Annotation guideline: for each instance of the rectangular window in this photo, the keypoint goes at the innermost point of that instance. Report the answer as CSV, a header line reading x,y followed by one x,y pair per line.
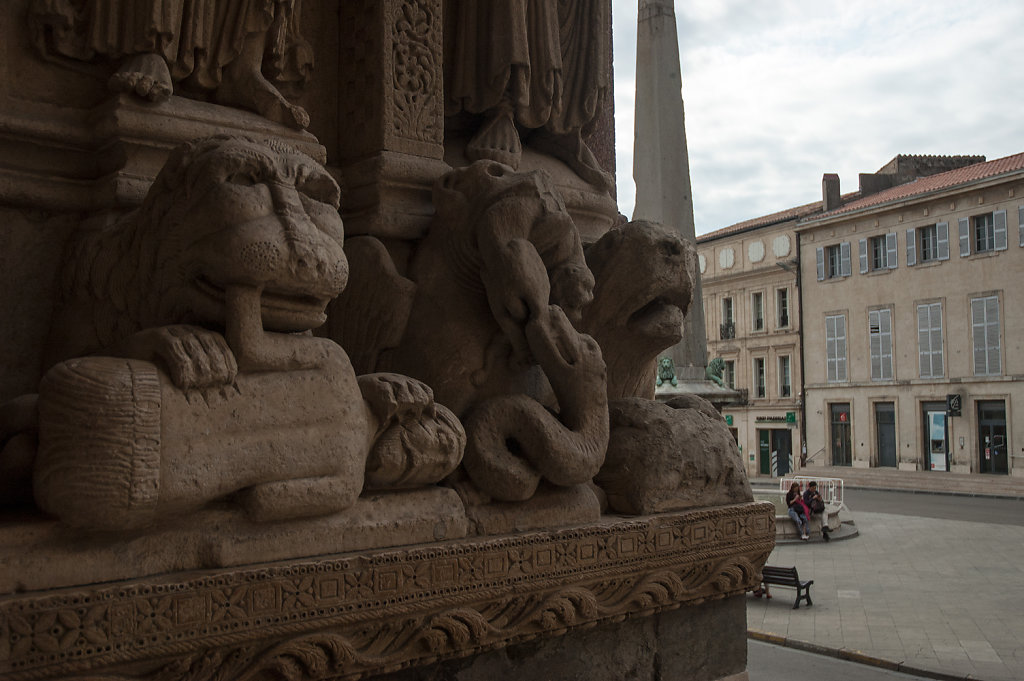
x,y
877,253
833,261
929,243
782,307
984,233
785,377
729,373
728,328
757,311
835,348
834,264
929,340
985,328
880,341
760,387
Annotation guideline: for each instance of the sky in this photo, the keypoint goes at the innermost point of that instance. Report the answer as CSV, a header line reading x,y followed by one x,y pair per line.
x,y
778,92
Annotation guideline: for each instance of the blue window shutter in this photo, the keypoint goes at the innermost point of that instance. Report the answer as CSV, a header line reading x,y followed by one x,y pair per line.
x,y
911,247
965,237
999,218
863,245
891,246
844,259
821,263
942,240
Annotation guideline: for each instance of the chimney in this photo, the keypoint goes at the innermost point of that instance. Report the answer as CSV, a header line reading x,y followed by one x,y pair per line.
x,y
829,191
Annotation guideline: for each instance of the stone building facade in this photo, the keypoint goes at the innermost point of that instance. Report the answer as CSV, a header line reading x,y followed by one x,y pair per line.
x,y
870,374
749,272
912,324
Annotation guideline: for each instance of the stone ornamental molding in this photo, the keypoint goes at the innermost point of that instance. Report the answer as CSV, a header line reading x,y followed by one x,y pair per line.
x,y
354,615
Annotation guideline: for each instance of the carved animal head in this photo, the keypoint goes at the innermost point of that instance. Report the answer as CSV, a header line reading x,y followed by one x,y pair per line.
x,y
224,211
644,286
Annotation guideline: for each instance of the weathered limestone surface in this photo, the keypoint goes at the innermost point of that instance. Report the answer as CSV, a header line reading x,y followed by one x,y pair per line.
x,y
235,444
364,614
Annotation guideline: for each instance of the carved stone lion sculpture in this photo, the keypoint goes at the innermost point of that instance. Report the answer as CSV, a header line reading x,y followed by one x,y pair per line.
x,y
210,384
660,457
644,285
666,372
714,371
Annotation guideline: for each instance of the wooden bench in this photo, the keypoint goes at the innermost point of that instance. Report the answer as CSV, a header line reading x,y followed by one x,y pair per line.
x,y
783,576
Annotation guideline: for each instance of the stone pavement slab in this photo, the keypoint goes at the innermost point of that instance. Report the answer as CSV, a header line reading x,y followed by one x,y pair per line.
x,y
944,597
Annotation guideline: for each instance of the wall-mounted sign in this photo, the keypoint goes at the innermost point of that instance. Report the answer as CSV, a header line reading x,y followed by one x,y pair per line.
x,y
953,405
728,419
790,417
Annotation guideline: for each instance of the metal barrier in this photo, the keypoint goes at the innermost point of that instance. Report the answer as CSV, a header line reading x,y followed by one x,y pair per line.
x,y
831,489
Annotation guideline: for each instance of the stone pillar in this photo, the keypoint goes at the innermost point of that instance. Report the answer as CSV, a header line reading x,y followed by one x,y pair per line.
x,y
392,107
661,166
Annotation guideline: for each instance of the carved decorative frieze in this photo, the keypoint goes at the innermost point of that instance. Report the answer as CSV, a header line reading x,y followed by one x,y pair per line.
x,y
390,73
352,615
417,83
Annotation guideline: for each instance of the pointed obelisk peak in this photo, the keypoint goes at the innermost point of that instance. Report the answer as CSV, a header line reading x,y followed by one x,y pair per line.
x,y
661,166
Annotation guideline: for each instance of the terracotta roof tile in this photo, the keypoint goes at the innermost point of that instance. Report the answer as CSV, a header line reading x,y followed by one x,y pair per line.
x,y
925,185
763,221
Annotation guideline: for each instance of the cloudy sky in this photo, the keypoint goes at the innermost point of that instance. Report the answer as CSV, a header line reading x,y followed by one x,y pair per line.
x,y
777,92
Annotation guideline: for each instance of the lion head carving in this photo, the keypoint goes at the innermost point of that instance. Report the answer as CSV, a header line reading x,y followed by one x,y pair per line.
x,y
644,286
224,211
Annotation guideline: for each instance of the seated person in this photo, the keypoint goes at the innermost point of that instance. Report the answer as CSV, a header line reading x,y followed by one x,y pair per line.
x,y
814,502
798,510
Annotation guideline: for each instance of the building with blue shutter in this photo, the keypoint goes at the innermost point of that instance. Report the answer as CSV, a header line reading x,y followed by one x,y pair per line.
x,y
892,334
912,302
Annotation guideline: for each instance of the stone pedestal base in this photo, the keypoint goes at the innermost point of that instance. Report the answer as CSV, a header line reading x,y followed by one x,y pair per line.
x,y
43,554
655,595
107,157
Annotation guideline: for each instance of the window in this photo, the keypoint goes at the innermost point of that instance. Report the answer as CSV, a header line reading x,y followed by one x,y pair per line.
x,y
985,328
929,340
880,342
983,233
878,253
729,373
835,348
728,328
833,261
785,377
760,388
757,311
782,307
928,244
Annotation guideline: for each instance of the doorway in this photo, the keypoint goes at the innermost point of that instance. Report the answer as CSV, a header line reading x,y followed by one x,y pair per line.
x,y
885,427
775,449
842,447
936,436
992,447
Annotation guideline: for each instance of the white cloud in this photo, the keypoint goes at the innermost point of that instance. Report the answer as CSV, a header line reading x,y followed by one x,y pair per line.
x,y
778,93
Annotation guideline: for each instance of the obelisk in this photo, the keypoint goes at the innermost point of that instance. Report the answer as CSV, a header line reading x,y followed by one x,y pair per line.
x,y
661,166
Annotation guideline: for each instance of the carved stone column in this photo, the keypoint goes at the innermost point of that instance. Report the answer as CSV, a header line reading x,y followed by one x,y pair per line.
x,y
391,114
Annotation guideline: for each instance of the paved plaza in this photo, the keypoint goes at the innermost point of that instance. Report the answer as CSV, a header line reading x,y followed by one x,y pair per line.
x,y
936,596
